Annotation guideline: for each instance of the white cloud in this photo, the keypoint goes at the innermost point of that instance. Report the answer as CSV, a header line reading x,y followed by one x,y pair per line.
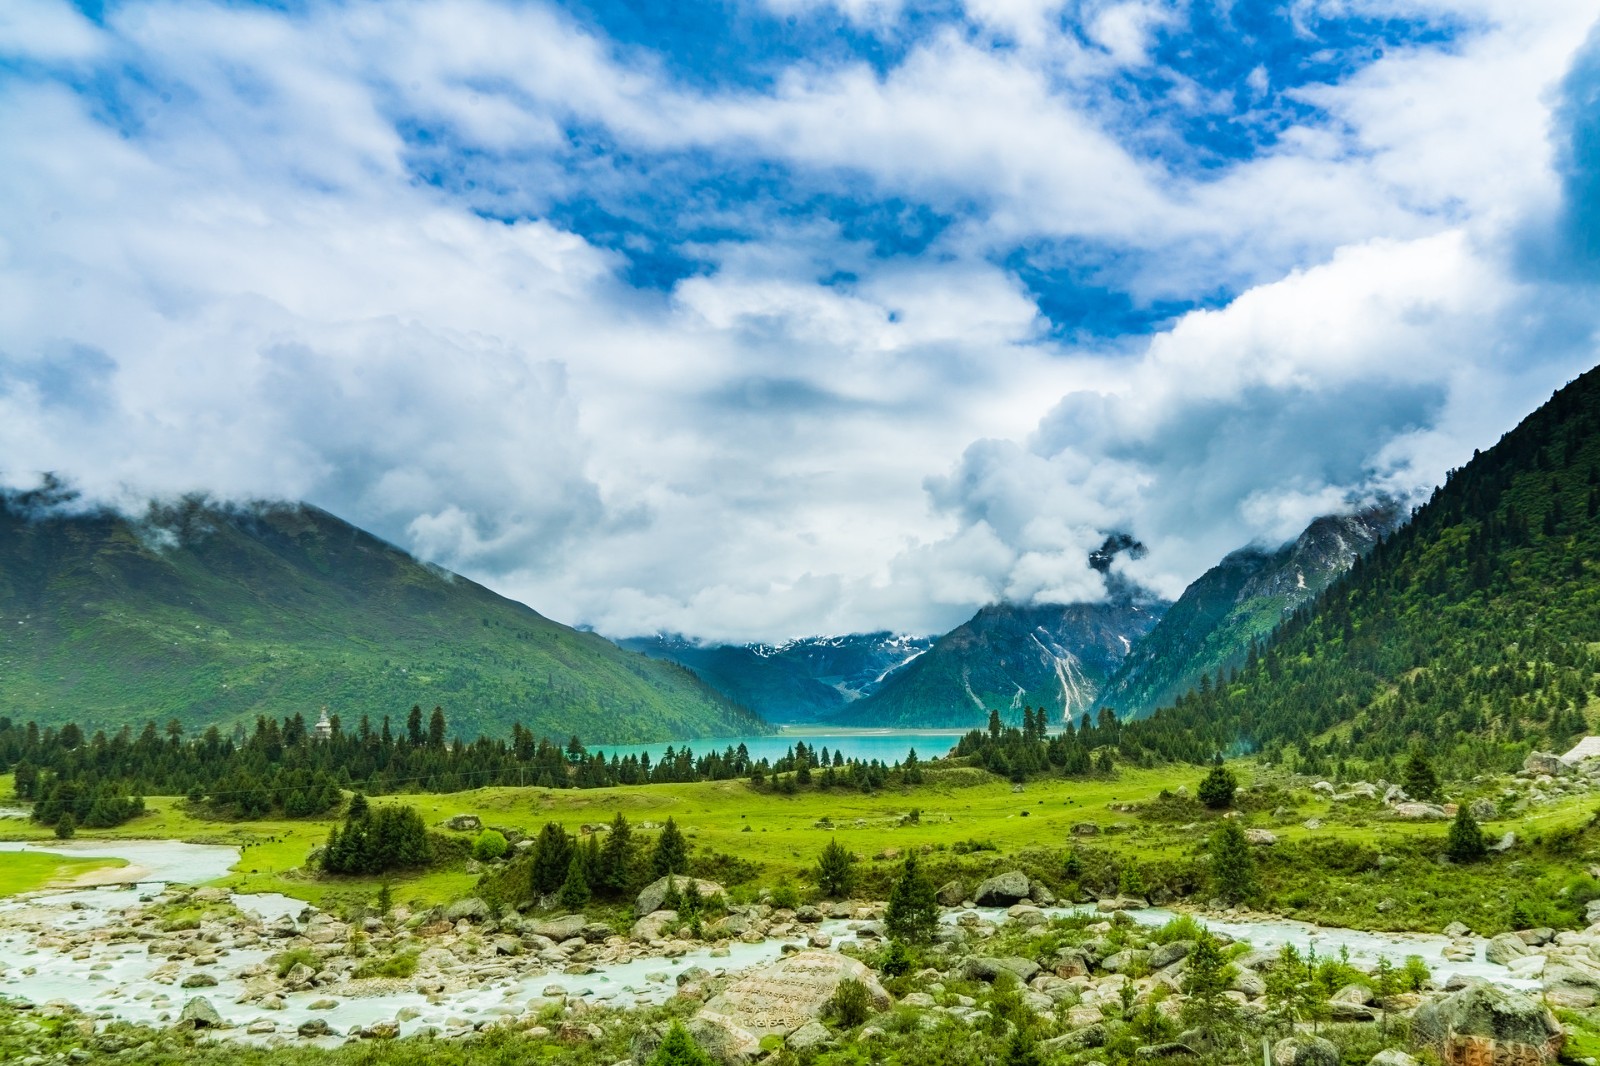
x,y
235,281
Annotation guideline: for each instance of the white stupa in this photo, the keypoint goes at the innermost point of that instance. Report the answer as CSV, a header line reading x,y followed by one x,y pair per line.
x,y
323,730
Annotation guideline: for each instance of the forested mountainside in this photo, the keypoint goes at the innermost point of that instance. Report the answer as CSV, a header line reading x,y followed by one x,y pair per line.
x,y
1007,658
212,615
1238,603
1472,631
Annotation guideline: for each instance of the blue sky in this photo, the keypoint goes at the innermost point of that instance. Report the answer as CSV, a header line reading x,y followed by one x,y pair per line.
x,y
764,318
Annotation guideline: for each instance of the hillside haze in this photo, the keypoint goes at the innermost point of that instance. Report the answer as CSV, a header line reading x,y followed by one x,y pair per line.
x,y
214,615
1238,602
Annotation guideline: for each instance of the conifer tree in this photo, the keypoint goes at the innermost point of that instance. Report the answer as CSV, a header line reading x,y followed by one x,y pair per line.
x,y
574,894
1205,982
836,871
913,909
1420,781
1233,867
1217,788
612,876
679,1049
671,855
1465,843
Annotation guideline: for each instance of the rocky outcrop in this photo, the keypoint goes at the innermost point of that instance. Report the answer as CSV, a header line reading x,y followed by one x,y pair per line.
x,y
1543,762
1484,1025
1304,1051
951,894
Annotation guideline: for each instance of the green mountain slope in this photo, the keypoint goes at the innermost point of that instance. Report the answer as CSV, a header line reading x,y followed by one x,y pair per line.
x,y
1240,601
1008,657
210,615
1473,631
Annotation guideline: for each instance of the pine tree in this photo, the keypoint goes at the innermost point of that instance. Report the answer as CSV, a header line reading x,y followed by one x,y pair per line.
x,y
552,854
1205,981
679,1049
1465,843
1233,867
671,855
612,877
1023,1049
1217,788
835,872
1420,781
913,910
574,894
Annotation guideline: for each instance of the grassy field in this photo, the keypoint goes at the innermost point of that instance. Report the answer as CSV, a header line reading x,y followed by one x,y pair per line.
x,y
1325,874
28,872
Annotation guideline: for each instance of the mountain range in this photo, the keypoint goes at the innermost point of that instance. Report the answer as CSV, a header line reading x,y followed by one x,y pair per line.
x,y
213,615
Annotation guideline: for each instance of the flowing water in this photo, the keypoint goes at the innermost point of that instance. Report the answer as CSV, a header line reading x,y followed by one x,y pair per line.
x,y
113,980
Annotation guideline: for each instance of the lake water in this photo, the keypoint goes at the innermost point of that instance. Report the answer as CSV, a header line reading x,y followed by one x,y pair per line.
x,y
886,745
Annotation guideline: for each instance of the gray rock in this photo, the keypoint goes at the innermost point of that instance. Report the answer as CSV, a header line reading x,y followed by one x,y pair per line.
x,y
1484,1023
315,1027
1505,947
1420,812
1260,836
1041,895
1126,961
988,969
1090,1036
1002,890
654,894
780,998
813,1034
1304,1051
1164,955
464,823
199,980
472,909
198,1013
1543,762
560,929
1482,809
951,894
1507,841
1456,930
1392,1057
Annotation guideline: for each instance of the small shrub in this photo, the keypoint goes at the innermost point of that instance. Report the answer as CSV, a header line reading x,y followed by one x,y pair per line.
x,y
785,896
285,961
401,965
490,845
850,1005
1183,927
1415,975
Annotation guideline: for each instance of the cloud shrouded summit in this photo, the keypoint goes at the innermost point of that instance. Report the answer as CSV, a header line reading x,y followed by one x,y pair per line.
x,y
763,319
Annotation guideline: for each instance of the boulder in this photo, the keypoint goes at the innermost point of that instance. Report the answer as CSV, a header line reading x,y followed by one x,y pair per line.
x,y
1419,811
1505,947
951,893
987,969
559,929
1042,895
1507,841
472,909
780,998
813,1034
315,1027
1260,836
199,980
1482,809
1125,961
1484,1024
1164,955
1121,903
1002,890
1304,1051
1392,1057
1543,762
198,1013
653,895
464,823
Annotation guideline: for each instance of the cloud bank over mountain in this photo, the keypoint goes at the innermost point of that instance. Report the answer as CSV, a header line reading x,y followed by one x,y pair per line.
x,y
771,318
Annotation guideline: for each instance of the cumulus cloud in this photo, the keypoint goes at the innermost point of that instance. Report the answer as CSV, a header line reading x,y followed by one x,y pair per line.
x,y
318,254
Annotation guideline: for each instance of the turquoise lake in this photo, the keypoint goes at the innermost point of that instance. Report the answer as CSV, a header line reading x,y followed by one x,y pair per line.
x,y
886,745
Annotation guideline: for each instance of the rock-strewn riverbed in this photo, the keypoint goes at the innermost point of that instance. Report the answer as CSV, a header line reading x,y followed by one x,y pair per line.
x,y
270,969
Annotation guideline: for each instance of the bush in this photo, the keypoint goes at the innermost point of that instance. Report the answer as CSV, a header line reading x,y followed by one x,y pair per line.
x,y
1415,975
490,845
1217,788
401,965
1183,927
679,1049
285,961
836,875
850,1004
785,896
